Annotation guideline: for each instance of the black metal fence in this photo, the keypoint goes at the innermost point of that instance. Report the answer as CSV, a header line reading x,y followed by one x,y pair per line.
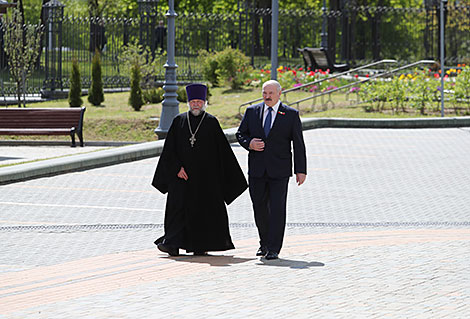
x,y
355,35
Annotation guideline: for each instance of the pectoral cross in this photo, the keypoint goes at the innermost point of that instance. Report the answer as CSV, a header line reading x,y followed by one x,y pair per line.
x,y
192,139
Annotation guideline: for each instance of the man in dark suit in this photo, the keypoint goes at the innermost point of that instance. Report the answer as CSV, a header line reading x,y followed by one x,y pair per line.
x,y
267,131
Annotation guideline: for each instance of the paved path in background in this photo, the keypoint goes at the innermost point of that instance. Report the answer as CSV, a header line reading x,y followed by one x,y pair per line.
x,y
380,228
21,154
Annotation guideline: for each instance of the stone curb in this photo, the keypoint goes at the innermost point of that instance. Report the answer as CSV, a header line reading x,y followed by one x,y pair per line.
x,y
448,122
21,172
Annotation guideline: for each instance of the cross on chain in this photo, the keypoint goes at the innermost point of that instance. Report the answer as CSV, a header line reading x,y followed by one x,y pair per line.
x,y
192,139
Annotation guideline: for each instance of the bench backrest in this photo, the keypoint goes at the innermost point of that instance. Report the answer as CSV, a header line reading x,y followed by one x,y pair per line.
x,y
321,58
309,62
41,118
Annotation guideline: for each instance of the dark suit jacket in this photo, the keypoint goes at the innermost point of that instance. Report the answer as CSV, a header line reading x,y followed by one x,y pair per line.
x,y
276,159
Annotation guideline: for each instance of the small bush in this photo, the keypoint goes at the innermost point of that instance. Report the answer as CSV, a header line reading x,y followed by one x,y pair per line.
x,y
135,98
182,96
225,67
209,67
95,94
75,92
154,95
134,53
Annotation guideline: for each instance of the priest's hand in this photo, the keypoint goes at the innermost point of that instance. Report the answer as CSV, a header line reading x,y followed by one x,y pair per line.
x,y
300,178
257,144
182,174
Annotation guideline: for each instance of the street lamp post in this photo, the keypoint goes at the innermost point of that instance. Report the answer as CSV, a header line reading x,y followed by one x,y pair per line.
x,y
274,37
442,54
324,32
170,105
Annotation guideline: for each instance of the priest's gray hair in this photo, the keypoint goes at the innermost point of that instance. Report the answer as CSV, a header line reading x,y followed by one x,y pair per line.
x,y
272,82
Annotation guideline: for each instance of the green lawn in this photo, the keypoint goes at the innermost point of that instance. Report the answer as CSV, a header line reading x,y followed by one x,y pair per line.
x,y
115,120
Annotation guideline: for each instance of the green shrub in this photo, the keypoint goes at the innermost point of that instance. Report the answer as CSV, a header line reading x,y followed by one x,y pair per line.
x,y
95,94
182,96
154,95
75,92
209,67
225,67
134,53
462,87
135,98
422,92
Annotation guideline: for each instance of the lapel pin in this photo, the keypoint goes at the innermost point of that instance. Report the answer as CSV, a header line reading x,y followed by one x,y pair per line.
x,y
282,113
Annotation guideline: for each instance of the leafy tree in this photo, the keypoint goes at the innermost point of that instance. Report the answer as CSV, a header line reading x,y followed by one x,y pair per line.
x,y
75,93
95,94
22,43
31,12
135,98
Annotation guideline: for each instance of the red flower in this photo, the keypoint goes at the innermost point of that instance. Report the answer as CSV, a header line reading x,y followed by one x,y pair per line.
x,y
300,69
367,75
356,76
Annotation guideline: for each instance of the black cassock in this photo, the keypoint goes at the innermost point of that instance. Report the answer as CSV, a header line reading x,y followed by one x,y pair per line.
x,y
195,214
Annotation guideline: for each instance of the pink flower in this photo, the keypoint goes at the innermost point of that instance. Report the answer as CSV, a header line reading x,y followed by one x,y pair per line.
x,y
313,88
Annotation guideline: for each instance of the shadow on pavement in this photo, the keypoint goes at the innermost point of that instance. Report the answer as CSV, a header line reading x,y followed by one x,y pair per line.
x,y
294,264
212,260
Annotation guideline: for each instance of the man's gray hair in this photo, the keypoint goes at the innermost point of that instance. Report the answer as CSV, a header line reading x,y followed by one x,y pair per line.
x,y
272,82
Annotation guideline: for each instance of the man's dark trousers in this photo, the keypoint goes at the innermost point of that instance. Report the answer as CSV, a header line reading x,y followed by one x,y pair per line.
x,y
269,170
269,204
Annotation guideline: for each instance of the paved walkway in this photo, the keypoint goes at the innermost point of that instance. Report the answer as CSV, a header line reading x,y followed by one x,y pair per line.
x,y
24,154
381,228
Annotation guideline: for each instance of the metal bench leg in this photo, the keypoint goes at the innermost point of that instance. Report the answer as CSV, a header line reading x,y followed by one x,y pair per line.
x,y
73,138
80,137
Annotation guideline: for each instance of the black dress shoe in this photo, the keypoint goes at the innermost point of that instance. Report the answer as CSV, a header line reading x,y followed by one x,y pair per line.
x,y
262,251
172,251
200,253
271,255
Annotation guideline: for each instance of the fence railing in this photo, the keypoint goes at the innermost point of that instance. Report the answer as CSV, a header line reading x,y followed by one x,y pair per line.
x,y
356,35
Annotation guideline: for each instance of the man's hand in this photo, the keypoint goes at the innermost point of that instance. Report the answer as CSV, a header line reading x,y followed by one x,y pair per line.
x,y
257,144
182,174
300,178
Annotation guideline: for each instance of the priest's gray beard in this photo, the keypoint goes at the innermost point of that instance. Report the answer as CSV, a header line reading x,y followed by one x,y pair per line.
x,y
197,112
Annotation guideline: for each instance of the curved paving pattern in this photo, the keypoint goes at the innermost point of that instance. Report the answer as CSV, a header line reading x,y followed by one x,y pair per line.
x,y
380,229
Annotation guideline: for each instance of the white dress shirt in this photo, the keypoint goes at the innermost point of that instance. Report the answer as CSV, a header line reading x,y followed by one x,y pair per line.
x,y
273,112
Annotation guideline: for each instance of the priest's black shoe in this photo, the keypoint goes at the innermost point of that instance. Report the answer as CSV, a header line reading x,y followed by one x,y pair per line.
x,y
172,251
262,251
271,255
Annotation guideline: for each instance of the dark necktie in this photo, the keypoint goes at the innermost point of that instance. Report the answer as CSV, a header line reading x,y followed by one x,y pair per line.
x,y
267,122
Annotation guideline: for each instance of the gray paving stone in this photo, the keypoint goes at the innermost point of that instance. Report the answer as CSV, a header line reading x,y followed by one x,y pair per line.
x,y
359,180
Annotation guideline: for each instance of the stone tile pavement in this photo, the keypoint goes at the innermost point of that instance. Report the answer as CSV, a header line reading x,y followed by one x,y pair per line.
x,y
381,228
22,154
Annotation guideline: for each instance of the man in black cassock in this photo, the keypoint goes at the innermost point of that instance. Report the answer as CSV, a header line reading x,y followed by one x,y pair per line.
x,y
200,173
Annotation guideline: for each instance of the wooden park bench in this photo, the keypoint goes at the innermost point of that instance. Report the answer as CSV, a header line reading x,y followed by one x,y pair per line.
x,y
42,121
318,59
